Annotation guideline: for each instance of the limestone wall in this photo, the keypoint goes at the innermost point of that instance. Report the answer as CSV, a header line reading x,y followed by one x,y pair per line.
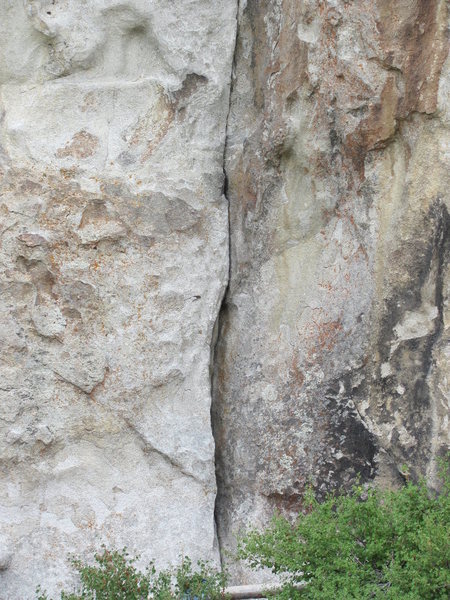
x,y
114,261
238,203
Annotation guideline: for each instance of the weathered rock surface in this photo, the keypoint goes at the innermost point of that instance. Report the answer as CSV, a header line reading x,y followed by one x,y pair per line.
x,y
333,354
114,261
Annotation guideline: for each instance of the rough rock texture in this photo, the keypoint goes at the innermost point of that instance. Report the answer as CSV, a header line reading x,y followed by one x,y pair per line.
x,y
333,356
114,261
116,238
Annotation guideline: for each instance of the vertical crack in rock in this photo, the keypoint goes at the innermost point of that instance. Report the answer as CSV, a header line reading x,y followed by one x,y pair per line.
x,y
217,330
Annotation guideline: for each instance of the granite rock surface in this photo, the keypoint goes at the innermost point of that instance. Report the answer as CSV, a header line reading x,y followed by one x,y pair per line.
x,y
333,352
114,261
239,203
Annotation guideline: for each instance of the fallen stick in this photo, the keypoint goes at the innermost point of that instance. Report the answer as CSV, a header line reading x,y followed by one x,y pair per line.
x,y
256,590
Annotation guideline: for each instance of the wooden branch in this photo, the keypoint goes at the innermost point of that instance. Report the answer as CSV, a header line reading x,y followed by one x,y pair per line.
x,y
257,590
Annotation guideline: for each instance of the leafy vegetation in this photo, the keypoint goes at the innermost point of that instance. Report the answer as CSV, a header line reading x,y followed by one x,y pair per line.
x,y
365,544
114,576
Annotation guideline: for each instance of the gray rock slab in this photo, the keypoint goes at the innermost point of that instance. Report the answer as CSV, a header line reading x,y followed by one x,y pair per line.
x,y
332,358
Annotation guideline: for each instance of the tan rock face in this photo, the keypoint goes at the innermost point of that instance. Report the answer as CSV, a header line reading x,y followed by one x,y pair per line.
x,y
114,261
333,350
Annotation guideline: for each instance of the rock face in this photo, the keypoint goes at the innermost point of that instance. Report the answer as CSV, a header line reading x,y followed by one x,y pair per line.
x,y
333,355
114,261
134,188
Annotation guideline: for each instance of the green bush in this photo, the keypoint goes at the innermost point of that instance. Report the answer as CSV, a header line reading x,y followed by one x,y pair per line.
x,y
114,576
365,544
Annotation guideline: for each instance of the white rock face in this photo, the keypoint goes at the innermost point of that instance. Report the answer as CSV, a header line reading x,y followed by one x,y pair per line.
x,y
113,257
